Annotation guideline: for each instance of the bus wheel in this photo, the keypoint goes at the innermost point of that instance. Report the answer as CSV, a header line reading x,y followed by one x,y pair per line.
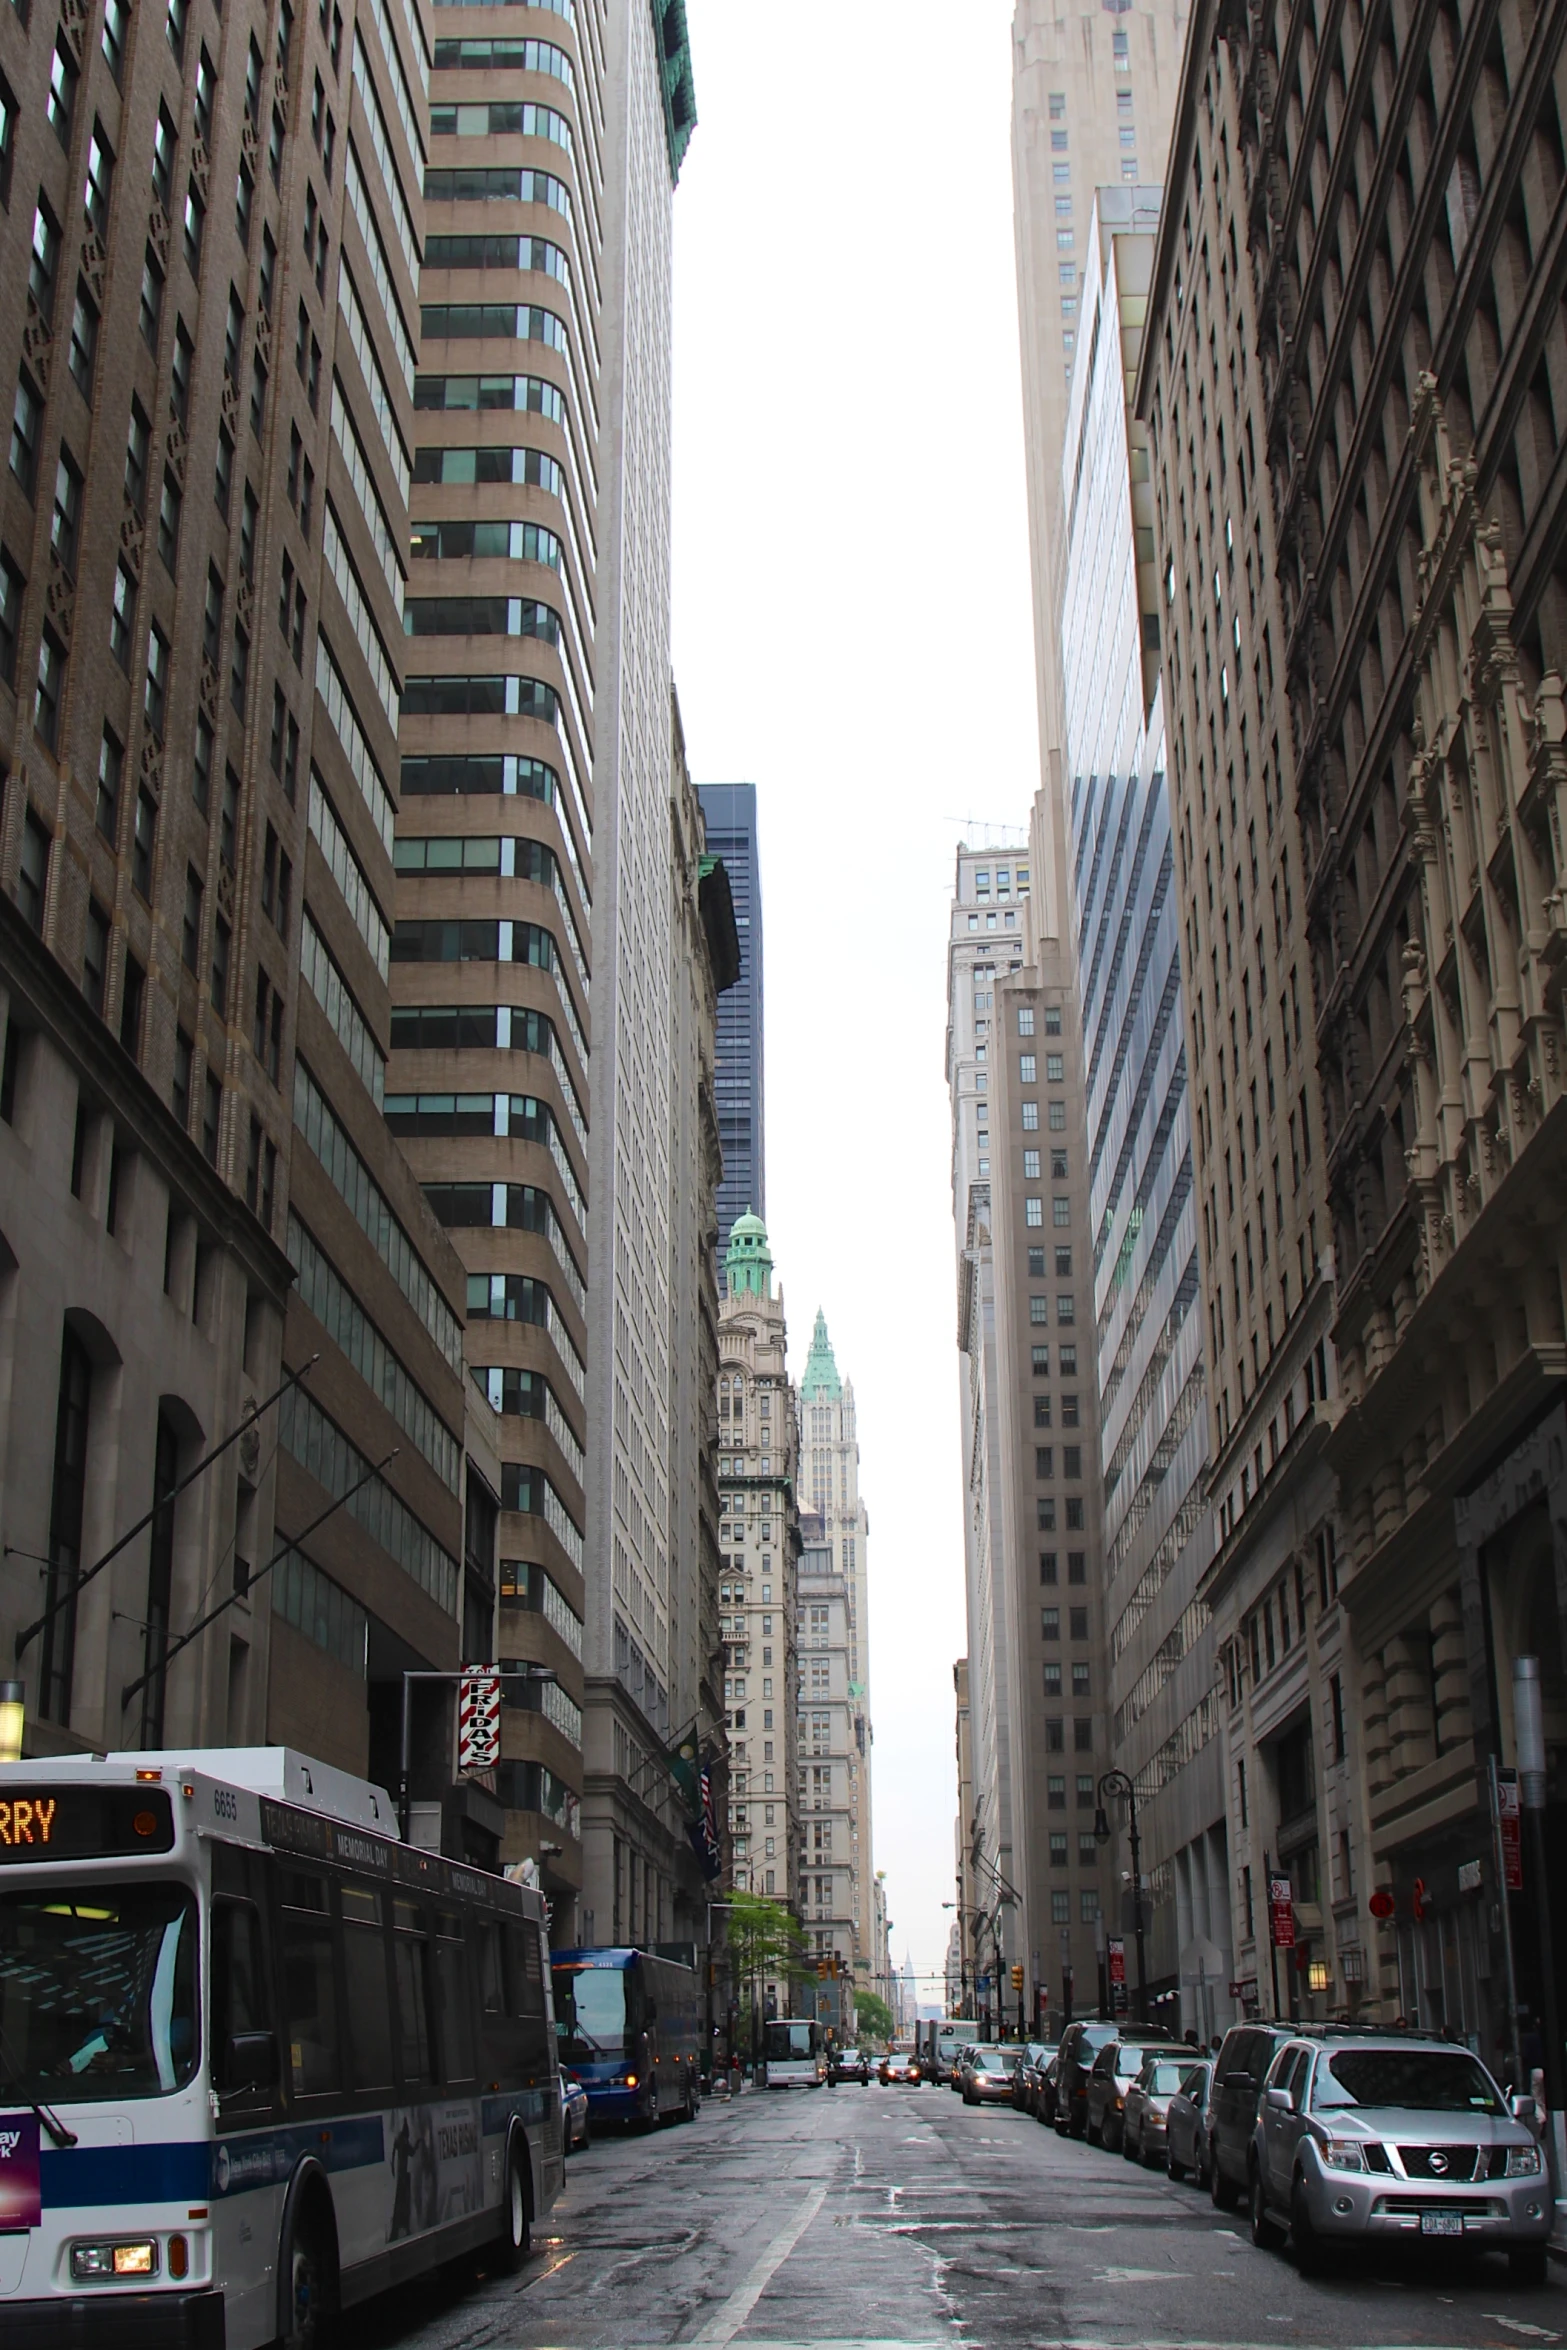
x,y
306,2274
516,2231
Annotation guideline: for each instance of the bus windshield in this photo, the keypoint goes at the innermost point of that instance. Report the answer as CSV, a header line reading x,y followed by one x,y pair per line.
x,y
790,2041
590,2010
97,1991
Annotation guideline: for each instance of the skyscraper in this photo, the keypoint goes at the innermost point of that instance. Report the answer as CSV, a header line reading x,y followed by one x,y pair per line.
x,y
214,226
1148,1326
730,810
833,1625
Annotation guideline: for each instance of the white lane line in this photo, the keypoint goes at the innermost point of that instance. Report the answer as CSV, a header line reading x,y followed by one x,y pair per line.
x,y
731,2315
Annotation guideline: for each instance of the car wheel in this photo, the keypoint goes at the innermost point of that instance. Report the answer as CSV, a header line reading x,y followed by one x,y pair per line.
x,y
1150,2157
1304,2237
1127,2148
1091,2133
1528,2265
1173,2168
1222,2195
1265,2232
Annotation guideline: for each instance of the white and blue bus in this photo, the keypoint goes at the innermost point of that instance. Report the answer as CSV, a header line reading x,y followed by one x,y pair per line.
x,y
630,2028
259,2059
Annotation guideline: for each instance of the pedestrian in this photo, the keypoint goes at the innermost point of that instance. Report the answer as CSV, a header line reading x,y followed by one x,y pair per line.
x,y
1192,2040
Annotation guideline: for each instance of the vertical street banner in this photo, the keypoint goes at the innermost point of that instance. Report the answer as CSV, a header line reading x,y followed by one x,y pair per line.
x,y
1509,1831
1281,1913
479,1718
1115,1968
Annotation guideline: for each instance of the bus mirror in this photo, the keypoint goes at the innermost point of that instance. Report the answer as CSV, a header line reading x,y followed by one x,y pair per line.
x,y
250,2061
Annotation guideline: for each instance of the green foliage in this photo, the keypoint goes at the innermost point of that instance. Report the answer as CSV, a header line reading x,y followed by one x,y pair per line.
x,y
763,1937
872,2017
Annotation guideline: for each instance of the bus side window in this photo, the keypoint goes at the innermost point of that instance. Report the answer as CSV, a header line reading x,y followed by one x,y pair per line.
x,y
239,1989
411,1972
454,1997
524,1970
310,1987
492,1993
369,1991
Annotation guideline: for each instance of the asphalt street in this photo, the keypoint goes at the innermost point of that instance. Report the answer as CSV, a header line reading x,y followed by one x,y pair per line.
x,y
876,2218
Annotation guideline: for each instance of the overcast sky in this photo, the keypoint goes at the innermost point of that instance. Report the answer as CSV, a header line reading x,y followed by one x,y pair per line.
x,y
853,634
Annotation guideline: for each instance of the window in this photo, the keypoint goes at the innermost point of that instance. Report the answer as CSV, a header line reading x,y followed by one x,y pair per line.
x,y
7,140
1050,1623
1063,1264
206,88
1025,1069
1057,1119
84,340
116,24
122,614
219,979
1077,1566
195,222
1083,1737
95,955
228,821
1041,1355
258,394
190,928
223,473
32,880
212,617
233,337
174,27
1066,1309
137,436
12,589
157,679
151,314
1053,1068
201,762
142,846
1031,1117
179,1091
1045,1514
1074,1515
244,205
1041,1411
1033,1212
100,179
26,425
61,102
1055,1791
1025,1020
51,688
1044,1460
66,520
1039,1308
1058,105
180,372
164,142
1052,1677
1052,1011
249,521
133,990
1031,1166
169,523
1080,1680
211,1116
111,770
239,671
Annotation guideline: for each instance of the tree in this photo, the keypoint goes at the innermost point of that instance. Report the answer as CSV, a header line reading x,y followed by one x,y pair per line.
x,y
763,1941
872,2017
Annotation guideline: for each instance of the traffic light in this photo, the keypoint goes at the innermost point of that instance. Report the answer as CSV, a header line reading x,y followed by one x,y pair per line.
x,y
821,1970
1017,1978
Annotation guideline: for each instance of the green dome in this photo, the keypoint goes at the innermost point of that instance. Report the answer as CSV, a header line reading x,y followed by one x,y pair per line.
x,y
821,1371
748,1263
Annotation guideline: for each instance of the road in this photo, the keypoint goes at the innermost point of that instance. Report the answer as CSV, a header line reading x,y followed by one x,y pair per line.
x,y
871,2219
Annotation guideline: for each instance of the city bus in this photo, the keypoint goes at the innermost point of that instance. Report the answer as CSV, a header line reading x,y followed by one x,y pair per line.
x,y
794,2054
629,2025
259,2059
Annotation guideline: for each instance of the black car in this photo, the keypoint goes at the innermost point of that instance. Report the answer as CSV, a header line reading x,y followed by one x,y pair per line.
x,y
849,2064
1080,2044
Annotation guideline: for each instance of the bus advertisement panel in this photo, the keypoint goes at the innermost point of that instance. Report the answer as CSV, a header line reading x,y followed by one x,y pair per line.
x,y
258,2058
629,2025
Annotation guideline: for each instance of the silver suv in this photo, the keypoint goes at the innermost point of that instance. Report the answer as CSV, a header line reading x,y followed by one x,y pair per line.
x,y
1364,2138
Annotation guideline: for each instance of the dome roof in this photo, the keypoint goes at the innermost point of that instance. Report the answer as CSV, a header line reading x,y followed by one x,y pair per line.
x,y
748,1261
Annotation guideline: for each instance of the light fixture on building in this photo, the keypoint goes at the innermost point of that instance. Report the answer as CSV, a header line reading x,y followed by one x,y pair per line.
x,y
13,1718
1317,1975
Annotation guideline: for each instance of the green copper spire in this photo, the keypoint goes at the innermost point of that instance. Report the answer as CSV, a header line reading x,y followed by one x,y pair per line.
x,y
748,1265
821,1372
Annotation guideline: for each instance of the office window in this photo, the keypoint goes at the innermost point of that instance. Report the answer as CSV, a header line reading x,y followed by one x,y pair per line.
x,y
1025,1020
1050,1623
1085,1791
1058,1848
1045,1514
1052,1677
1041,1360
1087,1849
1036,1264
1055,1791
138,434
1052,1019
1083,1737
157,679
1041,1411
1088,1904
1054,1068
1077,1566
1079,1623
1061,1210
151,311
51,688
1061,1907
1058,1117
1063,1264
190,928
1031,1166
1069,1362
111,771
1058,105
26,424
1072,1460
1055,1735
12,589
1025,1068
1066,1311
142,845
116,24
1080,1680
1044,1460
1058,142
219,980
1031,1117
1074,1515
32,880
1047,1566
1033,1212
164,143
211,1117
122,614
169,504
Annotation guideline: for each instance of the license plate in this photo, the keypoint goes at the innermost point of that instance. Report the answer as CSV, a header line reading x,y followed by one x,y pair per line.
x,y
1441,2223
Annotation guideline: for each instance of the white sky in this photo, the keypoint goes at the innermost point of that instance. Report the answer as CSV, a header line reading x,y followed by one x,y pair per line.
x,y
853,634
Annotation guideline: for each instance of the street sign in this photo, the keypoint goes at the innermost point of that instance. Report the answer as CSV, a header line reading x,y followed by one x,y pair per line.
x,y
1382,1904
1244,1987
479,1718
1281,1913
1512,1849
1116,1947
982,1982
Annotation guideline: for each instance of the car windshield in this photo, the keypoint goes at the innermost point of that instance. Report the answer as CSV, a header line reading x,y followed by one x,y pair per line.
x,y
998,2060
1162,2080
97,1991
590,2010
1129,2057
1415,2080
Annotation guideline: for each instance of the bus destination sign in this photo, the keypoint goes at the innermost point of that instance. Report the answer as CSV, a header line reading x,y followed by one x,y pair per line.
x,y
76,1822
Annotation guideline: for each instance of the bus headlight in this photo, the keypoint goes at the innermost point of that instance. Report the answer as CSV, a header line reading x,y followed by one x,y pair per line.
x,y
631,2080
115,2260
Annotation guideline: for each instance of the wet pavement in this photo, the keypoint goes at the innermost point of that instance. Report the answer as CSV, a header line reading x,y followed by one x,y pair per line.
x,y
874,2219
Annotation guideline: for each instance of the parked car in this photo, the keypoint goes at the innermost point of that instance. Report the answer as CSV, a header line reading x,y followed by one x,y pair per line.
x,y
1365,2139
960,2068
1239,2070
1033,2053
1080,2044
574,2112
1047,2091
849,2064
1112,2073
1186,2125
990,2073
1144,2116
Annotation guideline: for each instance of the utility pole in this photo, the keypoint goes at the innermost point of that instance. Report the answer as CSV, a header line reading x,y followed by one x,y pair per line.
x,y
1117,1783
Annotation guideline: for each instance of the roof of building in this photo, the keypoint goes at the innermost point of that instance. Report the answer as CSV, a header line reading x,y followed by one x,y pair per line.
x,y
821,1371
748,1261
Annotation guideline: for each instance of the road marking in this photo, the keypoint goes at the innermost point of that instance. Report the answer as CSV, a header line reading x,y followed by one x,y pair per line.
x,y
1138,2276
731,2315
1517,2325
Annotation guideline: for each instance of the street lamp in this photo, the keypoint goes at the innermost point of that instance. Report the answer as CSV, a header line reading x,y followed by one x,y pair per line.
x,y
1116,1784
